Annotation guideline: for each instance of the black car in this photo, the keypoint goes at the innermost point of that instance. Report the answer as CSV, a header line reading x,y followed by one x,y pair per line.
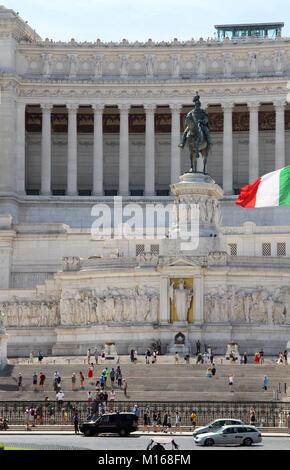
x,y
120,423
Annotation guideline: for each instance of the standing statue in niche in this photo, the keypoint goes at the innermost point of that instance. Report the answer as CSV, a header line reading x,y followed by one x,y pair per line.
x,y
181,298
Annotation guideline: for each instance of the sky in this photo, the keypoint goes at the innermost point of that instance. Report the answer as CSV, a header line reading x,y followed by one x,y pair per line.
x,y
139,20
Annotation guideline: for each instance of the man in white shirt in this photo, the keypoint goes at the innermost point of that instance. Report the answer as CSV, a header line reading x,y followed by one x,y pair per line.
x,y
59,397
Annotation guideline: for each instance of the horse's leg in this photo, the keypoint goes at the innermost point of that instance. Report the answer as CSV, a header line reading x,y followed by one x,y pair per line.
x,y
204,160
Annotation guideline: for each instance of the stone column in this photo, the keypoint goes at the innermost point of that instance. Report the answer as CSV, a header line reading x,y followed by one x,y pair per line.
x,y
254,141
175,139
72,189
228,148
149,150
45,186
198,316
98,164
280,134
124,150
164,315
20,148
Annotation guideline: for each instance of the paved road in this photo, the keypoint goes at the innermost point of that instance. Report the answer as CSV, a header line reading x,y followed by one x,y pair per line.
x,y
79,442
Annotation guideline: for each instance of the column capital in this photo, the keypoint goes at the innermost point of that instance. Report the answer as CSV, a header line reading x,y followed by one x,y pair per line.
x,y
279,104
98,107
175,107
46,107
253,105
72,107
227,105
149,107
124,108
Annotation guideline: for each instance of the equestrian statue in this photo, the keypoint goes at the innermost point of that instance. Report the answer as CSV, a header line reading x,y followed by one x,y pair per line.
x,y
197,135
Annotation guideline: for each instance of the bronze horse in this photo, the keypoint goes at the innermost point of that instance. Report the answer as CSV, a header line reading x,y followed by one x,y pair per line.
x,y
197,142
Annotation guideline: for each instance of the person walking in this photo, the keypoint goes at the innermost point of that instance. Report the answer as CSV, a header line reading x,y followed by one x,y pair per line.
x,y
41,381
59,398
34,381
40,357
125,387
31,357
120,380
245,358
91,373
113,395
193,419
213,369
145,422
73,381
178,421
285,354
76,423
176,357
90,397
82,379
96,354
165,422
19,384
26,419
112,377
252,416
231,382
261,354
89,356
265,383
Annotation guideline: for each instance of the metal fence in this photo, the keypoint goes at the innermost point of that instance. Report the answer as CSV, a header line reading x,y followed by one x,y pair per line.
x,y
268,414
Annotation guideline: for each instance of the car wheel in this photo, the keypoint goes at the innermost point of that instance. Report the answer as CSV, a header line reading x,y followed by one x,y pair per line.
x,y
87,432
248,441
209,442
123,433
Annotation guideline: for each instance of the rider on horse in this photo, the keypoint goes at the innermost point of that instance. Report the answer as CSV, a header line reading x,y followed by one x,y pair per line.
x,y
202,120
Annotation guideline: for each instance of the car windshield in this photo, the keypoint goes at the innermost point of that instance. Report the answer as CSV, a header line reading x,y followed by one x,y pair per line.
x,y
216,424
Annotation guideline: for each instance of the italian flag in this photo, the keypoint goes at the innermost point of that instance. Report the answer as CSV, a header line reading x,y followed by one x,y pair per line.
x,y
272,189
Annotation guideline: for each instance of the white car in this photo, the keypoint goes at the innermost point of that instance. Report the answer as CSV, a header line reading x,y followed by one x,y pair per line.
x,y
239,435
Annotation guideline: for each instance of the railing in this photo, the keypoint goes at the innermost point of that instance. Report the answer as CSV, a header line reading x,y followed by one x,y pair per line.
x,y
268,414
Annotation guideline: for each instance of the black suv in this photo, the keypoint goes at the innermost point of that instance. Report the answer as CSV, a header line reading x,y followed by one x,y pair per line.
x,y
120,423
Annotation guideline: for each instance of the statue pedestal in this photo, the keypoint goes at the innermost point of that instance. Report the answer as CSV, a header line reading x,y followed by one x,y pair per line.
x,y
233,348
110,351
3,349
196,217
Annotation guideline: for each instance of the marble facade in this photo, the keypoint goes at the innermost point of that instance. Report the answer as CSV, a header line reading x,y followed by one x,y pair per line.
x,y
81,123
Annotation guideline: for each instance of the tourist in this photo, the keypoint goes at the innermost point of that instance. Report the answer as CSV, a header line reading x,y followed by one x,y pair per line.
x,y
231,382
252,416
159,421
125,387
102,381
147,356
132,355
154,356
208,372
112,395
90,397
136,410
82,379
145,422
31,416
285,354
154,421
120,380
211,357
89,356
135,357
261,354
26,419
176,357
41,381
280,358
76,423
96,354
59,398
265,383
245,358
213,369
257,358
193,419
178,421
103,356
73,381
165,422
91,373
31,357
187,358
40,357
34,380
19,384
112,377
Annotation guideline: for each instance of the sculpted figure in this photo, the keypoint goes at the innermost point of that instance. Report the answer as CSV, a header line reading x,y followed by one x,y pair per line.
x,y
181,297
